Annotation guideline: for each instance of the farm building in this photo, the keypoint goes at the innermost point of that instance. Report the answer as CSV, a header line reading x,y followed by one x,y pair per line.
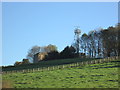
x,y
39,56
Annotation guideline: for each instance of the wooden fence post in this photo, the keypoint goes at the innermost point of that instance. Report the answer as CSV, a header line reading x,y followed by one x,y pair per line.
x,y
24,70
74,64
100,60
82,63
53,67
90,62
77,64
104,59
112,58
116,57
29,70
86,62
70,65
37,69
109,60
63,66
48,68
95,62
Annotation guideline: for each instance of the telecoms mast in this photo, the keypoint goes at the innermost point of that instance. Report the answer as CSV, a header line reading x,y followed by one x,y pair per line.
x,y
77,32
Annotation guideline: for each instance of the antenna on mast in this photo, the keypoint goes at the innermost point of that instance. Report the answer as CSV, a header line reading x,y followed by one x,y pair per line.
x,y
77,32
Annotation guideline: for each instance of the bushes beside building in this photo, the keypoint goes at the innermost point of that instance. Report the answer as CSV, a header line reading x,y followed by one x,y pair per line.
x,y
24,61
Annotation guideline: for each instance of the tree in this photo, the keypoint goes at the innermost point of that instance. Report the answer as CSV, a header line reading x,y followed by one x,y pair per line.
x,y
24,61
52,55
102,42
41,53
34,50
68,52
84,42
91,43
118,39
17,63
94,43
50,48
110,41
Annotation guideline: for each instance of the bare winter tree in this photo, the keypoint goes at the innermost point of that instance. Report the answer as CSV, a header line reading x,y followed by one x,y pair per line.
x,y
102,43
50,48
37,49
34,50
84,40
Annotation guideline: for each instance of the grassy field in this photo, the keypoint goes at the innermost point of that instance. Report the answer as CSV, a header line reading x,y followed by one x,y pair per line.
x,y
90,76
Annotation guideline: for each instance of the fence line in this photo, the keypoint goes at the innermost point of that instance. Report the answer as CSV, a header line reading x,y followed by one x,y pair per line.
x,y
63,66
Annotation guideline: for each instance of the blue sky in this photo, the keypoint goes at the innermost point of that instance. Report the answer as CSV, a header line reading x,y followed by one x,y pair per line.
x,y
27,24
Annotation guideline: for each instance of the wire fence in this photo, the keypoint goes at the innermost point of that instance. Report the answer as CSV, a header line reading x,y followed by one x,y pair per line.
x,y
50,68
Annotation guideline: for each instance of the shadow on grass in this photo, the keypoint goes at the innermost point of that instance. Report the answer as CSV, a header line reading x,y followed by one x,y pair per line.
x,y
108,67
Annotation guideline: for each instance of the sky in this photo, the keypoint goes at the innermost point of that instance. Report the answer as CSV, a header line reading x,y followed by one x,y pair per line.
x,y
25,24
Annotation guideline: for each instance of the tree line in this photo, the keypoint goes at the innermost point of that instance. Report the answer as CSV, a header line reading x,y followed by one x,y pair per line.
x,y
52,53
98,43
102,42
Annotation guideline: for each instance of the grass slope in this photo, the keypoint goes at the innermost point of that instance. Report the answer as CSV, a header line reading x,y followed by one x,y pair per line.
x,y
90,76
45,64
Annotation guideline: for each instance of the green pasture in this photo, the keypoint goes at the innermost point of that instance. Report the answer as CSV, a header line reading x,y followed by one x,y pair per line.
x,y
45,64
103,75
